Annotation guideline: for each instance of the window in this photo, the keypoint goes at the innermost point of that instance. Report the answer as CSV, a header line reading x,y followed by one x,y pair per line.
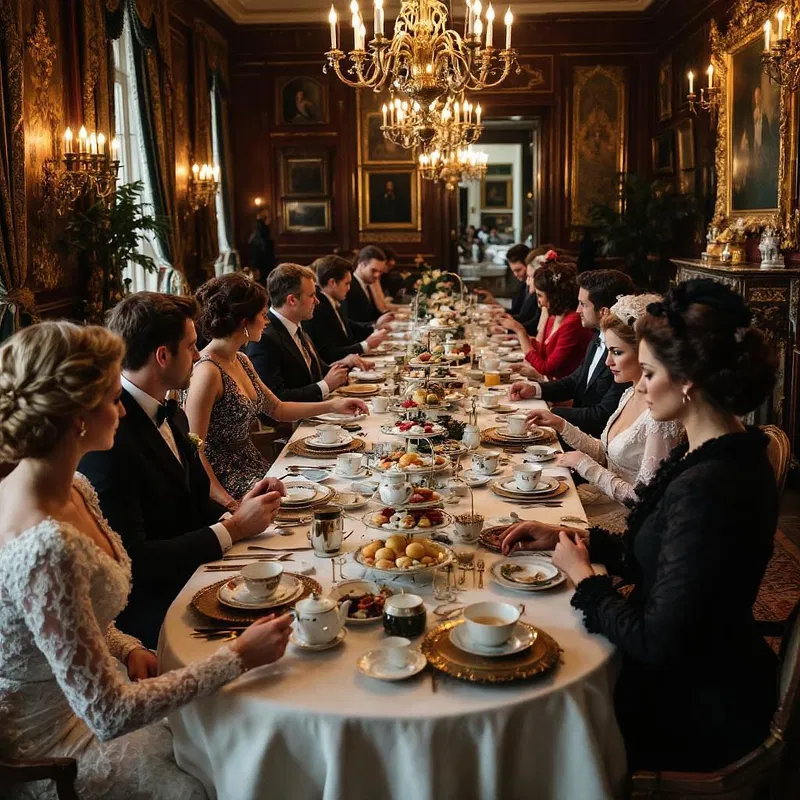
x,y
227,256
128,133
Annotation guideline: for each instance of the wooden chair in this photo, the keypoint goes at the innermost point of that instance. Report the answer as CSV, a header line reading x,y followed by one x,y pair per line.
x,y
779,453
761,774
61,770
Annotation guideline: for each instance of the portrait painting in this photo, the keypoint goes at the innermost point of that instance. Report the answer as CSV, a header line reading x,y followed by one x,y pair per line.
x,y
685,135
664,153
306,216
302,100
497,194
597,149
390,199
754,135
378,148
503,222
665,88
305,176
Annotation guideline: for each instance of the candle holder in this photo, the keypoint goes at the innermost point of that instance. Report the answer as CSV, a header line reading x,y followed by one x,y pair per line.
x,y
201,192
709,100
69,177
781,62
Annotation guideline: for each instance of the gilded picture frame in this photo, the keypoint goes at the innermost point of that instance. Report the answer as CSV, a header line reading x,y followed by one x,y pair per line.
x,y
597,146
497,194
301,101
304,174
665,88
306,216
390,199
374,147
732,52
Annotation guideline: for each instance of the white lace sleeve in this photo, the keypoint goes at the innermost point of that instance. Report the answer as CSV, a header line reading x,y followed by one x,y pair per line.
x,y
121,644
662,439
609,483
51,587
576,438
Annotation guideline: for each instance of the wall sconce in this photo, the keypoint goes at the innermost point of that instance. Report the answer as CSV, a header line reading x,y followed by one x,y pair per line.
x,y
709,95
203,186
90,170
781,56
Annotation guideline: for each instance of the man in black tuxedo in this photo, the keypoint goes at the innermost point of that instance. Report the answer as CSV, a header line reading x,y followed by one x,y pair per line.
x,y
333,334
360,303
152,485
594,393
524,305
285,358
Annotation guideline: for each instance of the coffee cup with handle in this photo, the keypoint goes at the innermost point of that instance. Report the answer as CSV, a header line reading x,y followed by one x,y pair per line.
x,y
329,434
349,463
517,424
262,578
527,476
489,399
485,463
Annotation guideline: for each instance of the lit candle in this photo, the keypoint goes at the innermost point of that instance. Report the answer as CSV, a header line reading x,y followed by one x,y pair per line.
x,y
478,29
332,18
93,143
101,144
378,18
457,110
195,170
478,112
710,73
385,112
114,149
82,140
767,32
489,23
68,140
509,18
781,17
355,21
363,36
469,17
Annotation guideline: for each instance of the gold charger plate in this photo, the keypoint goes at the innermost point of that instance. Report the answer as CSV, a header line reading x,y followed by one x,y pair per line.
x,y
494,434
329,496
359,390
532,498
443,655
206,602
299,448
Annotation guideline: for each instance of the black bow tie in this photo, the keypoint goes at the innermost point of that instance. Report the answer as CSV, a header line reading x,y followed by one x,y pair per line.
x,y
166,411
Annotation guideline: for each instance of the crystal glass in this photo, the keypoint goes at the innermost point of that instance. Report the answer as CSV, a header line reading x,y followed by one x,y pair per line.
x,y
442,588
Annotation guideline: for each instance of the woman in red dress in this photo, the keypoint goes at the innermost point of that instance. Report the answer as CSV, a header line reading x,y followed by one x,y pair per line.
x,y
561,340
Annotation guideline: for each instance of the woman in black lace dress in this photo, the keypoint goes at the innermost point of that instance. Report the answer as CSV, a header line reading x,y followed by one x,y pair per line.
x,y
698,684
226,395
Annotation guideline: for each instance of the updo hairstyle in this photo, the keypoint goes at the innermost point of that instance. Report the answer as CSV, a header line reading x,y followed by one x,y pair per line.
x,y
701,332
49,373
627,333
624,317
226,302
559,282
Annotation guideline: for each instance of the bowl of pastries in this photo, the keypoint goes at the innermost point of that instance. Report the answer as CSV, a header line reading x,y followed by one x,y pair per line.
x,y
401,461
407,519
400,554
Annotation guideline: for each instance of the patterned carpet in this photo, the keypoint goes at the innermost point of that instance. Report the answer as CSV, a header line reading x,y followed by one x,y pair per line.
x,y
780,589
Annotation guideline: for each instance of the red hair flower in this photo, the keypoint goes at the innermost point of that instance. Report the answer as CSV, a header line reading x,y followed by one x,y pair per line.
x,y
549,256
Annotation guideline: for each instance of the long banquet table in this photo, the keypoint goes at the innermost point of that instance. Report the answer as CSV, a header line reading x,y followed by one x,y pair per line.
x,y
311,726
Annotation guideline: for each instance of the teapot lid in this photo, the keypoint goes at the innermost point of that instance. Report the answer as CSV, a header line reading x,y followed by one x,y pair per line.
x,y
315,604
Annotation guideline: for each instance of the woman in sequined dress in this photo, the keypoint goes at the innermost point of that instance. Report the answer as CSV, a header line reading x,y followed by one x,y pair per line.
x,y
226,396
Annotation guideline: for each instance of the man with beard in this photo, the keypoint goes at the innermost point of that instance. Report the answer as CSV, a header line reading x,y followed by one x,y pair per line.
x,y
153,488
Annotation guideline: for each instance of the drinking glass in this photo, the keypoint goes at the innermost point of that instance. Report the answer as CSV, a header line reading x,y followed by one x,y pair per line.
x,y
491,379
442,589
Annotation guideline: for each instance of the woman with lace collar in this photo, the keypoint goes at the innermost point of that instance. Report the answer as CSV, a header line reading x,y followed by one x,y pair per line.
x,y
633,444
697,687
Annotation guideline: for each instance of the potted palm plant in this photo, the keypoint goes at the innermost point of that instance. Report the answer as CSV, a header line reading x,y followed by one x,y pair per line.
x,y
106,238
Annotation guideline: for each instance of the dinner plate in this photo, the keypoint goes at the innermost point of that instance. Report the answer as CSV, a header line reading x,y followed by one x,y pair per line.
x,y
513,357
546,484
235,595
375,665
299,493
521,638
343,440
528,565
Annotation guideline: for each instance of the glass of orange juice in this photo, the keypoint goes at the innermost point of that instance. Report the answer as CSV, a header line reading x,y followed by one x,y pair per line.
x,y
491,378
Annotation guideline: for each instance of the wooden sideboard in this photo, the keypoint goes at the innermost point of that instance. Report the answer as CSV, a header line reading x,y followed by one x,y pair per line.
x,y
774,297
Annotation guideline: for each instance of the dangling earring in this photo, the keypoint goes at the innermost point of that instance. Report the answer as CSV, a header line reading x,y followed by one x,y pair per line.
x,y
247,333
83,429
686,398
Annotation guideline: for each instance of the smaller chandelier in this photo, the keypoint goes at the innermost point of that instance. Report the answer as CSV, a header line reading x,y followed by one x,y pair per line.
x,y
449,125
709,95
203,186
453,166
781,56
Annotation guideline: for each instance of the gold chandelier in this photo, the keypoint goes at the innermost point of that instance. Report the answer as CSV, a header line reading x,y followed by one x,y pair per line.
x,y
781,56
451,166
449,125
424,60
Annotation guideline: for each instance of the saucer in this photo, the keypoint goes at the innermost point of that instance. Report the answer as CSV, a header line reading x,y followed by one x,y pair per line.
x,y
502,409
294,638
521,638
350,501
545,486
343,440
375,665
313,474
497,471
473,480
361,473
539,453
234,593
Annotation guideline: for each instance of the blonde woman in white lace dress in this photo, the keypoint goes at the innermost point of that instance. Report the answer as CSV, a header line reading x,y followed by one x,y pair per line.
x,y
65,576
632,444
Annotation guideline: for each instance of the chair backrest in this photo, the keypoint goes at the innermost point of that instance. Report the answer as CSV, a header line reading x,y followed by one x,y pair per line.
x,y
779,453
787,717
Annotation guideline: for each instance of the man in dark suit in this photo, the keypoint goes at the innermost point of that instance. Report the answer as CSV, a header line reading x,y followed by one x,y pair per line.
x,y
360,303
333,334
152,485
285,358
591,387
524,305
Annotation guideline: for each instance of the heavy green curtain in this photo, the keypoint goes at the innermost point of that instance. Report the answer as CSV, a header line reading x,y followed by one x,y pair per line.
x,y
224,143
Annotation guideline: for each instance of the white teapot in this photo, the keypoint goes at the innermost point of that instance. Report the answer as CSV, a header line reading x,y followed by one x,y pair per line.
x,y
319,619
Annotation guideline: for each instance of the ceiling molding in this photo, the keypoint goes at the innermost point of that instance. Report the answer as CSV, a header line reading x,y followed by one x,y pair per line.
x,y
265,12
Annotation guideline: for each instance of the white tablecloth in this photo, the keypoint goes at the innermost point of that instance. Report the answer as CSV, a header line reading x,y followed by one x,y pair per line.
x,y
311,726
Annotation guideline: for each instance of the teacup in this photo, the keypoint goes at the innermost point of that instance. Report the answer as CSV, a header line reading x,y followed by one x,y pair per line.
x,y
489,399
457,488
527,476
349,463
397,650
485,463
468,527
380,404
491,623
394,495
329,434
517,424
490,364
262,578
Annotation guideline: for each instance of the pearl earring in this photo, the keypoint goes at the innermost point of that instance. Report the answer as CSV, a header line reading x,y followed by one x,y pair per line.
x,y
83,429
686,398
247,333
